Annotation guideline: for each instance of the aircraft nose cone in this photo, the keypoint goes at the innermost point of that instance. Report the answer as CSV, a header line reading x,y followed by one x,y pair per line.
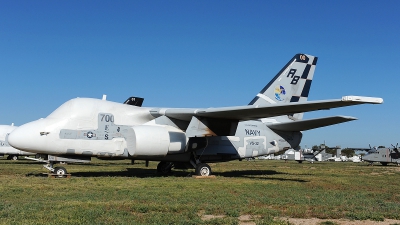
x,y
27,137
16,139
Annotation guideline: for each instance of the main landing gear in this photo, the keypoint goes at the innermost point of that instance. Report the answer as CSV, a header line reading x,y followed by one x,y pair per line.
x,y
12,157
164,168
201,169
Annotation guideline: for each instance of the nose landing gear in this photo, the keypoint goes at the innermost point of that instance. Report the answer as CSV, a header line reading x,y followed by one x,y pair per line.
x,y
60,172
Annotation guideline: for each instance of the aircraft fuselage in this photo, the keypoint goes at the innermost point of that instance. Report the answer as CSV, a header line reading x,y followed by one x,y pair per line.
x,y
99,128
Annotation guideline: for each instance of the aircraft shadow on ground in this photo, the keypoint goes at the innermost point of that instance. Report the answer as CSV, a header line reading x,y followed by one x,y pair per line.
x,y
147,173
20,162
130,172
257,174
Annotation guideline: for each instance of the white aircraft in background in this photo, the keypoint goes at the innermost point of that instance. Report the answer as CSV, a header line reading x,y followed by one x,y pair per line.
x,y
83,128
5,148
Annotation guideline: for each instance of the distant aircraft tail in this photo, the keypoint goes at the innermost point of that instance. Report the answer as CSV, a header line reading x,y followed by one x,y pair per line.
x,y
291,84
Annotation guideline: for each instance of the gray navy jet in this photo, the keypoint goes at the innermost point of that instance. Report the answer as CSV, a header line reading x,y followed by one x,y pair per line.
x,y
383,156
185,138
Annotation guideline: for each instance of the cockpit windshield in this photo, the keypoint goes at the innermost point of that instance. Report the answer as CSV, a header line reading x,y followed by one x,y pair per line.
x,y
78,107
61,111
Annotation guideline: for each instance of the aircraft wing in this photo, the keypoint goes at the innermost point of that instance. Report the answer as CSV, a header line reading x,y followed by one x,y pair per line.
x,y
302,125
251,112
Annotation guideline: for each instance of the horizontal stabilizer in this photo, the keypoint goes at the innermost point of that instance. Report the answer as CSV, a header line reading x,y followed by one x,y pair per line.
x,y
302,125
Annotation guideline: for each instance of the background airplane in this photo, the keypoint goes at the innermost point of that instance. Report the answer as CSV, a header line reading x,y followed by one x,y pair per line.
x,y
5,148
184,137
306,154
383,155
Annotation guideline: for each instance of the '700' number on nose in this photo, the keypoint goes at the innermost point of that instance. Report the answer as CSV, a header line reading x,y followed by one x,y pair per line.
x,y
107,118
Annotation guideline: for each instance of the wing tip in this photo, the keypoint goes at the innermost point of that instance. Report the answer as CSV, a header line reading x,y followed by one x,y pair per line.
x,y
372,100
349,118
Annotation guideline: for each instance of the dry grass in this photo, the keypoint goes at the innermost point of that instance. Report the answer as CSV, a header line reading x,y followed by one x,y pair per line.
x,y
116,192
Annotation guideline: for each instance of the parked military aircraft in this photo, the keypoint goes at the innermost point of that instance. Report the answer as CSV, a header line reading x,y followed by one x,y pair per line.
x,y
5,148
185,137
383,155
306,154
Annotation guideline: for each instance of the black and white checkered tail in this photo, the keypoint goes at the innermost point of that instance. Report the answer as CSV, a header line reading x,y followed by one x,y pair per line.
x,y
291,84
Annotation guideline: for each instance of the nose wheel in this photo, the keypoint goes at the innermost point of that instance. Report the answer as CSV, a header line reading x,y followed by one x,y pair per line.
x,y
60,171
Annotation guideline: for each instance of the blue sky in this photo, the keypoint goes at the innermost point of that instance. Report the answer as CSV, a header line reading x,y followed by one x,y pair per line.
x,y
202,54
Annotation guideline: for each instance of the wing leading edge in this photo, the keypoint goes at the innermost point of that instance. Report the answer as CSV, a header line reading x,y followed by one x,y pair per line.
x,y
251,112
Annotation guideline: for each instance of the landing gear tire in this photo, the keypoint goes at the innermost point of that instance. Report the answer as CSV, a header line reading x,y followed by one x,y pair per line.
x,y
60,171
12,157
384,163
164,168
203,169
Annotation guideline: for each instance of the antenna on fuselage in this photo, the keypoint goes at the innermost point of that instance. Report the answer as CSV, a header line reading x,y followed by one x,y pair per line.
x,y
104,97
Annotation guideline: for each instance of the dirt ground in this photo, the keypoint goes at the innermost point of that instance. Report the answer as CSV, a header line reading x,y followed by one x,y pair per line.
x,y
315,221
249,220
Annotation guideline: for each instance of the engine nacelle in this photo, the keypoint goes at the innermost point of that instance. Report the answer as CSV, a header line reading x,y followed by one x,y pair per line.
x,y
147,140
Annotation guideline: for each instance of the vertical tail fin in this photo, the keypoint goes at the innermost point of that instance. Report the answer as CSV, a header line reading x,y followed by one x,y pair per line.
x,y
291,84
